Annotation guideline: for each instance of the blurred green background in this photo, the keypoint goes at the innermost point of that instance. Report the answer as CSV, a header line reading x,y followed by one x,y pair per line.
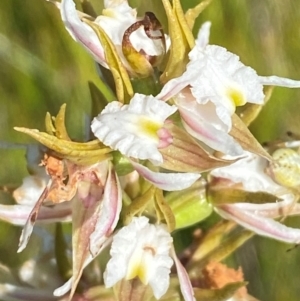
x,y
41,67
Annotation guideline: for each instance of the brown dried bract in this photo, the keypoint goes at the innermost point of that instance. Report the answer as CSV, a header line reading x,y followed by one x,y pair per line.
x,y
216,275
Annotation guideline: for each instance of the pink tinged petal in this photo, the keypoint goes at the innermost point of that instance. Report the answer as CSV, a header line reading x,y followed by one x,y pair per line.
x,y
279,81
260,225
167,181
27,230
109,217
133,129
18,214
81,32
184,280
205,132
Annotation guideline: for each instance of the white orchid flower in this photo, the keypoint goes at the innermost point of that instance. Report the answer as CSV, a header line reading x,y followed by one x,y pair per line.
x,y
116,18
143,250
214,84
136,130
259,218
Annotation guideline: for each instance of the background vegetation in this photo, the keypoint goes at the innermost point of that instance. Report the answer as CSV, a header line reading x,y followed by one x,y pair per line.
x,y
41,67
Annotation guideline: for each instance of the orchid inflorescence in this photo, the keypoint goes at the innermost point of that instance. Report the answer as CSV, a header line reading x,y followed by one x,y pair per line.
x,y
164,154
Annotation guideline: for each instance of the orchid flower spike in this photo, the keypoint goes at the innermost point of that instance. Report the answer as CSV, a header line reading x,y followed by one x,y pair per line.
x,y
214,84
144,250
259,218
134,39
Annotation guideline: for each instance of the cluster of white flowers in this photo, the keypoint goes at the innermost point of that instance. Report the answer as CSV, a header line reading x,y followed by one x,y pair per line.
x,y
204,99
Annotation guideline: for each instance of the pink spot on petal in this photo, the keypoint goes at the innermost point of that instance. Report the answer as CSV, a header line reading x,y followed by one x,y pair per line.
x,y
165,138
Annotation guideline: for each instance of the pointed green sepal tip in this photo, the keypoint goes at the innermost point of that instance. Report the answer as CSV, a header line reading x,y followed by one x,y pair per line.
x,y
182,41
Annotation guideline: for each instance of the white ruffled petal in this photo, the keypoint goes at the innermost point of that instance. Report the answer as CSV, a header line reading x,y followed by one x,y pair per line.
x,y
133,129
141,250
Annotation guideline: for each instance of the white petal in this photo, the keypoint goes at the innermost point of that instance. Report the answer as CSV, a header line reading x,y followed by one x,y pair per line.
x,y
132,129
115,19
221,73
260,225
145,245
279,81
202,38
81,32
167,181
250,171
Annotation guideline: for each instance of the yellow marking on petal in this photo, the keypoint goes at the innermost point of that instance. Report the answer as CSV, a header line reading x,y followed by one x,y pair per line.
x,y
139,271
149,127
138,266
236,96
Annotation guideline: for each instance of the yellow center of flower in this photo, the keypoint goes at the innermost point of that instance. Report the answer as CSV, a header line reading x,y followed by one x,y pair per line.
x,y
140,264
236,96
149,127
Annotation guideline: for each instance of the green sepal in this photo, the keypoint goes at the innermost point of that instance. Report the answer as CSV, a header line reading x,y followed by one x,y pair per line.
x,y
124,89
179,49
231,196
192,14
79,153
186,30
164,211
189,206
244,137
221,294
138,205
59,123
57,140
